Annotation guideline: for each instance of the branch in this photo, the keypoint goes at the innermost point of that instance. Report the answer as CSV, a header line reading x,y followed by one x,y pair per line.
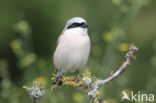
x,y
36,91
90,85
130,56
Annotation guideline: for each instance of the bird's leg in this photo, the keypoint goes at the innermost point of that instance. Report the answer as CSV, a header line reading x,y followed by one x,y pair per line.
x,y
58,76
78,75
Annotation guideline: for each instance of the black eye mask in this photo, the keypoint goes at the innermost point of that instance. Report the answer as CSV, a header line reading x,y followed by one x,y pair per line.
x,y
74,25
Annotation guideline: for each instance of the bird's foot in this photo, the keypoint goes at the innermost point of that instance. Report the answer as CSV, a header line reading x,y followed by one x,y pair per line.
x,y
56,82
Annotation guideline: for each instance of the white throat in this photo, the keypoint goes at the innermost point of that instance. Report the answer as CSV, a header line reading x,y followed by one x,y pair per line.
x,y
77,31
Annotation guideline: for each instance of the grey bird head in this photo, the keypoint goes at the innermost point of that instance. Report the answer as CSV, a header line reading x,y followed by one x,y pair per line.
x,y
75,23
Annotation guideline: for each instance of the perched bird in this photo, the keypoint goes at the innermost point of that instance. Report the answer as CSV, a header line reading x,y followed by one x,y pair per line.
x,y
73,47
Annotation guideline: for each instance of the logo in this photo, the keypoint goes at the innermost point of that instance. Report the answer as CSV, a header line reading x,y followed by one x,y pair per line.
x,y
137,96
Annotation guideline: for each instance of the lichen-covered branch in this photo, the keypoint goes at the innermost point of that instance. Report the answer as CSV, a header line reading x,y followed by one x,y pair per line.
x,y
36,91
90,84
130,56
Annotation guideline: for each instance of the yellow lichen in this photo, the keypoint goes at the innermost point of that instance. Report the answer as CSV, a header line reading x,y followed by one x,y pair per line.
x,y
97,93
78,81
87,74
66,78
72,81
96,100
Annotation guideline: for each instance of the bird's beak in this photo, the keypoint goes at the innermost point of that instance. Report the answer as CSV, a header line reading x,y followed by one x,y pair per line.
x,y
85,25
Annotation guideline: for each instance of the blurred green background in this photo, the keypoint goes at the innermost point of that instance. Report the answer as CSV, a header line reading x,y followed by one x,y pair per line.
x,y
28,35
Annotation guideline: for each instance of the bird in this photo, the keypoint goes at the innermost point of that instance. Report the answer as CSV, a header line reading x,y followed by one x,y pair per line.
x,y
73,47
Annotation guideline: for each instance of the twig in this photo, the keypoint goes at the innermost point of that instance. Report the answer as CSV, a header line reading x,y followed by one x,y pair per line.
x,y
34,100
36,91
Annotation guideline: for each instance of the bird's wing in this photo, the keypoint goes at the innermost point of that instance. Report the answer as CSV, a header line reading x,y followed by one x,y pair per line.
x,y
58,40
